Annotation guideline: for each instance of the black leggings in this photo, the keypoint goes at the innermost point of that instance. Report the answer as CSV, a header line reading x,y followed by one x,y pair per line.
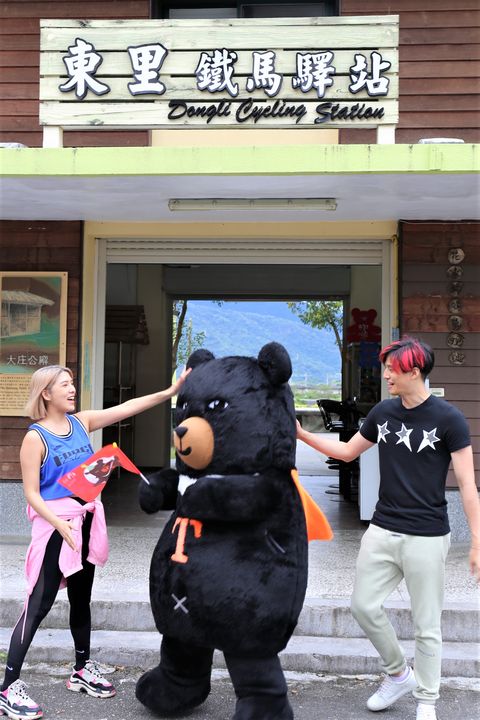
x,y
79,589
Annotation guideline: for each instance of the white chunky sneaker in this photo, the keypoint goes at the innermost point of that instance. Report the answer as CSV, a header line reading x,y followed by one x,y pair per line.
x,y
104,669
15,703
90,680
389,691
426,712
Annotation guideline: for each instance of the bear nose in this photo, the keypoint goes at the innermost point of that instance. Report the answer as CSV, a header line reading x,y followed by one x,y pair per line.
x,y
180,430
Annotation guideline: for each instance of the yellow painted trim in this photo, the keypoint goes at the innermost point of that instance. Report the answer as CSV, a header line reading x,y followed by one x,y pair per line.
x,y
239,138
288,160
375,230
88,315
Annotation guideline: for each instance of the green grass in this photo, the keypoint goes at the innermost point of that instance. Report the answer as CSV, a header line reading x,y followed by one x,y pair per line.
x,y
307,396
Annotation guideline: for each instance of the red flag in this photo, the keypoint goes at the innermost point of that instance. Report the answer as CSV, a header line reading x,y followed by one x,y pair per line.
x,y
88,479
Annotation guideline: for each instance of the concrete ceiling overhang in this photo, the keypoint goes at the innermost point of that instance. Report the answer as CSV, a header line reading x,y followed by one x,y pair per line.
x,y
369,182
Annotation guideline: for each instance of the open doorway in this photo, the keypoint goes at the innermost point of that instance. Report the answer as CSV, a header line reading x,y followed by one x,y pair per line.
x,y
146,293
241,327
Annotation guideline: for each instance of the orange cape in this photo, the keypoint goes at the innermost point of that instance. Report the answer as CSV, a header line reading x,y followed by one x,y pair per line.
x,y
318,527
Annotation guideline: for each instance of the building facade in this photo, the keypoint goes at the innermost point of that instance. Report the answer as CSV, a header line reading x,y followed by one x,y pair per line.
x,y
95,200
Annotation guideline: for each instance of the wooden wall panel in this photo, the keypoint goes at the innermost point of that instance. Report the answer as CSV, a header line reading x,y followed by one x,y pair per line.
x,y
439,46
98,9
439,50
41,245
19,68
424,297
441,18
392,7
430,314
446,51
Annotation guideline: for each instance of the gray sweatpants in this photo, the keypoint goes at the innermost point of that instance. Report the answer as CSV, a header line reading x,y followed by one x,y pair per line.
x,y
385,557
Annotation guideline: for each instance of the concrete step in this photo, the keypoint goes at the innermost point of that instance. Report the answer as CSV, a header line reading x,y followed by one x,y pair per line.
x,y
345,656
332,618
320,617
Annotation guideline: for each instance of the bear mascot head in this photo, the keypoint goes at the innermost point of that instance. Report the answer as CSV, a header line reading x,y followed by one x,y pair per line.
x,y
229,571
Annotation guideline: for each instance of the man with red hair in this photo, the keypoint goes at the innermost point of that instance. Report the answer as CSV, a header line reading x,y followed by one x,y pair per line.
x,y
418,435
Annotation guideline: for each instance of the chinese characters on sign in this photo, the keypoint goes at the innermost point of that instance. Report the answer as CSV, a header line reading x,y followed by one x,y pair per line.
x,y
146,63
33,331
215,73
455,339
81,64
22,360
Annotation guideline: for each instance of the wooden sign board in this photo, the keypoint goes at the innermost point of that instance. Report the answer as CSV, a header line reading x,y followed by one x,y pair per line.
x,y
276,73
33,331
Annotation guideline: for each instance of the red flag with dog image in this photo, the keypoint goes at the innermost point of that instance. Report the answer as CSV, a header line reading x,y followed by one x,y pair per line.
x,y
89,479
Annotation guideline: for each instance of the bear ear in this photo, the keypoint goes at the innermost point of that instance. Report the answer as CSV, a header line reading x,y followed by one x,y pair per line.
x,y
275,362
198,357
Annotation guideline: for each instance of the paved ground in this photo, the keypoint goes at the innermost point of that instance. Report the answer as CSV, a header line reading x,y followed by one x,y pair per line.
x,y
133,536
312,698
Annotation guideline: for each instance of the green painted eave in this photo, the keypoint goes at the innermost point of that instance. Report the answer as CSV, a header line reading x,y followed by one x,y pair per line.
x,y
251,160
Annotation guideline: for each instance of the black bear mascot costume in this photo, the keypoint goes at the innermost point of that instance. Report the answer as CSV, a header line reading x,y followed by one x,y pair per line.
x,y
230,568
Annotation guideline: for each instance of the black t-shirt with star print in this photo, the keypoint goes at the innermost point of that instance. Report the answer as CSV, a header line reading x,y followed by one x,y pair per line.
x,y
414,453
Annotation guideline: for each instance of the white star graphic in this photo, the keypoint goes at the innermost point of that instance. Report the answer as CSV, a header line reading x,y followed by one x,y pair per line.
x,y
382,432
404,437
429,440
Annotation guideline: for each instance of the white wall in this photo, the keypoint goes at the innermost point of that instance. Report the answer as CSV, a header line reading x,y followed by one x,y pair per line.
x,y
366,289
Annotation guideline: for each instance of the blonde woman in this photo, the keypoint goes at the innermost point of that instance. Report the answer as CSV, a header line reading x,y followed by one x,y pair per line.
x,y
68,535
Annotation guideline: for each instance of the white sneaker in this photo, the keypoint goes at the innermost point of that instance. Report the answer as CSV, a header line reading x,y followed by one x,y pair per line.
x,y
91,681
104,669
15,703
389,691
426,712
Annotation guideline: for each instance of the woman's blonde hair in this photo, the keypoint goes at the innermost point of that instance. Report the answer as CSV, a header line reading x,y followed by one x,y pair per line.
x,y
42,379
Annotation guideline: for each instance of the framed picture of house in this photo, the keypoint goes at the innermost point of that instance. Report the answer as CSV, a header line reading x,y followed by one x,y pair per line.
x,y
33,331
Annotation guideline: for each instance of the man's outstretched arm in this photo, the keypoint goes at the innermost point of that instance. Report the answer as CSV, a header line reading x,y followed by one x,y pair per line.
x,y
346,451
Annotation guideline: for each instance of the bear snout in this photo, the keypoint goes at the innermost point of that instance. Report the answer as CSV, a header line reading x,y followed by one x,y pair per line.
x,y
194,442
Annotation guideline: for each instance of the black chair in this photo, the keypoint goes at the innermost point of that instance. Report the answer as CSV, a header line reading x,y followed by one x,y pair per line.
x,y
327,407
346,426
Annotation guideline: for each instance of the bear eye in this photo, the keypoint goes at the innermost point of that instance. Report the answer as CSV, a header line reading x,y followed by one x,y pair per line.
x,y
217,404
183,406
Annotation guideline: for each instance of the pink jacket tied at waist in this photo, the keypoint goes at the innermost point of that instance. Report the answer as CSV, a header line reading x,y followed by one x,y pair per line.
x,y
70,561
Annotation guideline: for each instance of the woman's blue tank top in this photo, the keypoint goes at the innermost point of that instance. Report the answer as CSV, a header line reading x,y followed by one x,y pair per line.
x,y
62,453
